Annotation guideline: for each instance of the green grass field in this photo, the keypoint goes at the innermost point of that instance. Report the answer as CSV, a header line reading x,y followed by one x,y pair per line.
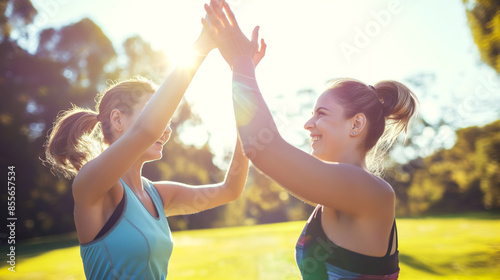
x,y
439,247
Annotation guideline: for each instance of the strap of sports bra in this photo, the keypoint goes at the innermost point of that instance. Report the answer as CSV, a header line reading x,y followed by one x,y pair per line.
x,y
391,238
396,228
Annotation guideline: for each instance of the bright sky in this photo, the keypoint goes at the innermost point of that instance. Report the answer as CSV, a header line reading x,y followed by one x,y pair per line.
x,y
309,42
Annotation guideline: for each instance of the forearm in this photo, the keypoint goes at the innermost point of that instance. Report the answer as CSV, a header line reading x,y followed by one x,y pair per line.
x,y
256,126
164,102
236,175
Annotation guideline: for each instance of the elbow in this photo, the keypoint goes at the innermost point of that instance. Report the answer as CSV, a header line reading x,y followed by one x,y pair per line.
x,y
234,192
234,196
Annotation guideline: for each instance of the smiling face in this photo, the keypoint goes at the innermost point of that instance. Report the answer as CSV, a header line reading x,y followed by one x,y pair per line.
x,y
329,129
155,151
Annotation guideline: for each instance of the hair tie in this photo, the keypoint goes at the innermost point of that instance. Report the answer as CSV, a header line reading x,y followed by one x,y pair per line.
x,y
375,91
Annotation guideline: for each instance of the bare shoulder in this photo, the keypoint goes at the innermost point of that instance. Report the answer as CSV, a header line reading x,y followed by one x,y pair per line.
x,y
359,176
362,192
386,190
82,189
383,184
387,199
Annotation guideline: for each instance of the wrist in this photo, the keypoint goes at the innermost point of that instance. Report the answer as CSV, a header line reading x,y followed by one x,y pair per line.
x,y
242,61
201,49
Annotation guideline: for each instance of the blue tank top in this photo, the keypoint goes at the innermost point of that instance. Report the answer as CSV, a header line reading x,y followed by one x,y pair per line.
x,y
138,246
319,258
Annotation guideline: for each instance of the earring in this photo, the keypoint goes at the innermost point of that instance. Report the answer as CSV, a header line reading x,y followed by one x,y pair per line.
x,y
353,133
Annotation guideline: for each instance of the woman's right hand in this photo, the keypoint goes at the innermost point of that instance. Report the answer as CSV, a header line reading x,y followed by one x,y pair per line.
x,y
204,44
227,35
259,54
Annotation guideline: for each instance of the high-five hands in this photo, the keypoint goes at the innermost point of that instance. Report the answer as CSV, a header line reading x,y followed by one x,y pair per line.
x,y
228,37
204,41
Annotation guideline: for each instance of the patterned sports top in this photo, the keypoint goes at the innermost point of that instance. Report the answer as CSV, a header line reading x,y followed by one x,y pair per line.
x,y
319,258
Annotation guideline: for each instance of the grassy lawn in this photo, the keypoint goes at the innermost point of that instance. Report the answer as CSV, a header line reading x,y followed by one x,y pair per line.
x,y
439,247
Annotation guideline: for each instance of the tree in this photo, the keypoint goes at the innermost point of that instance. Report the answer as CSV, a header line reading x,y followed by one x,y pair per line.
x,y
84,51
463,178
68,67
16,15
484,22
143,60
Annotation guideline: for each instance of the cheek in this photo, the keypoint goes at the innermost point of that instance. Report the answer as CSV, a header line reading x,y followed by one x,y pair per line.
x,y
332,129
327,127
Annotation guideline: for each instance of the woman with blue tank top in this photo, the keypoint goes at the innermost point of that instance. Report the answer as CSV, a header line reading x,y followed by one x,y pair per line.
x,y
352,232
120,216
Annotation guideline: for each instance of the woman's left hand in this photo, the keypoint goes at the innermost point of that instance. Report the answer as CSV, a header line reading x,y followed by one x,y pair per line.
x,y
227,35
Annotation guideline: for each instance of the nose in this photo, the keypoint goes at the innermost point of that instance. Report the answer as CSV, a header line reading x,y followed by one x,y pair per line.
x,y
309,124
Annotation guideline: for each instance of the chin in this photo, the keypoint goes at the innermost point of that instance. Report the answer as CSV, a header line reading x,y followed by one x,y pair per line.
x,y
153,157
315,153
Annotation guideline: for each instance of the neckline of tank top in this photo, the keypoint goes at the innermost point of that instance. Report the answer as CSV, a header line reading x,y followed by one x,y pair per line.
x,y
140,202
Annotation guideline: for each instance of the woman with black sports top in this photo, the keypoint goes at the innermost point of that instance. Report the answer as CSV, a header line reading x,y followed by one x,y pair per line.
x,y
120,216
352,232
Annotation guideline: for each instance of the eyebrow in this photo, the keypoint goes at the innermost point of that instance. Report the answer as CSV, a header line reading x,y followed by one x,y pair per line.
x,y
321,108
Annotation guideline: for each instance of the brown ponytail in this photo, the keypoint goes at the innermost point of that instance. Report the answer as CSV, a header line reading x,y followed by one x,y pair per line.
x,y
400,107
73,141
389,107
399,104
79,135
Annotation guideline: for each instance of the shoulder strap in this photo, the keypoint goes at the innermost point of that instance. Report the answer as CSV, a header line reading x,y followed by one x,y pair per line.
x,y
391,238
154,194
396,230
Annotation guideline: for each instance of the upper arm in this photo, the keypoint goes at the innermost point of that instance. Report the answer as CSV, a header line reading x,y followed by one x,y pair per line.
x,y
98,175
340,186
183,199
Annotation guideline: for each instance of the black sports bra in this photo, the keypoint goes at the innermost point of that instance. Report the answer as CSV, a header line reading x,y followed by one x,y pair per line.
x,y
113,219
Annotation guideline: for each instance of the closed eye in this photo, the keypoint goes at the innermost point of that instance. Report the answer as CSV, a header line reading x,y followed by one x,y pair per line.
x,y
321,111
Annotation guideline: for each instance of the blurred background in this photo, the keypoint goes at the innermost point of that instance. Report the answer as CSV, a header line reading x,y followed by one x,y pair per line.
x,y
55,53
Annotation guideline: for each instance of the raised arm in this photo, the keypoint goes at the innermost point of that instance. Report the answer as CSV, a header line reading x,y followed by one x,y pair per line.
x,y
339,186
100,174
182,199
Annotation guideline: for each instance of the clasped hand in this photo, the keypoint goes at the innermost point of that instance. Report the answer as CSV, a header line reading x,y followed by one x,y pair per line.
x,y
227,35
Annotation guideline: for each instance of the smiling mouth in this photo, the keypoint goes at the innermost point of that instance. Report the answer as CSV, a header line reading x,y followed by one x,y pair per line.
x,y
316,138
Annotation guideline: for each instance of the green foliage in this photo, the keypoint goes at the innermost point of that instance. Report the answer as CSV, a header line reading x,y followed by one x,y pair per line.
x,y
15,15
263,201
73,62
442,247
70,65
484,22
465,177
